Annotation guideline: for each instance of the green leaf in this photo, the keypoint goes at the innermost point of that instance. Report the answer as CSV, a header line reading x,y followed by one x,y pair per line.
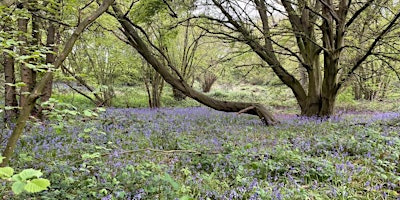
x,y
11,42
87,130
186,198
30,66
173,183
37,185
101,109
18,187
6,172
30,173
1,159
91,156
10,108
16,177
87,113
20,84
24,57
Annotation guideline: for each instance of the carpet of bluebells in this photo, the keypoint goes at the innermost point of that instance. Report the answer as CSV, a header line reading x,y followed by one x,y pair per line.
x,y
198,153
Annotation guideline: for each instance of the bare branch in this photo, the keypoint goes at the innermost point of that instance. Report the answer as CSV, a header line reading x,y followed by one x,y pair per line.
x,y
370,49
358,12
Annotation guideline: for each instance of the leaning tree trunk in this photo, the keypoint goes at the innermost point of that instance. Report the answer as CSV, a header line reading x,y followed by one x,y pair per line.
x,y
240,107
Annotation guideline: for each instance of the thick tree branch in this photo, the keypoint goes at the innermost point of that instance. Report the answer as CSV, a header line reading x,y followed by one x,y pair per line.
x,y
181,85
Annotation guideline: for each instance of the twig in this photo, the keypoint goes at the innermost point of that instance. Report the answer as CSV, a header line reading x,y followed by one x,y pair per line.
x,y
154,150
245,110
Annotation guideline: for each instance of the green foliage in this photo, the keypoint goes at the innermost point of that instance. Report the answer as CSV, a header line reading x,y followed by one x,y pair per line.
x,y
28,180
145,10
60,113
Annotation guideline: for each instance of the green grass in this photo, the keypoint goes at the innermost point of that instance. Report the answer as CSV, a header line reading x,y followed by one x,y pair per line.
x,y
278,99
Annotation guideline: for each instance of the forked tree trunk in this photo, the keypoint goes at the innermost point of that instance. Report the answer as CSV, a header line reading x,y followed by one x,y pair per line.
x,y
239,107
154,85
208,81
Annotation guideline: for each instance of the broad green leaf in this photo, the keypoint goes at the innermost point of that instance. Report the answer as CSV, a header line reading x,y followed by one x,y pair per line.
x,y
30,173
6,172
18,187
10,108
1,159
16,177
37,185
88,113
20,84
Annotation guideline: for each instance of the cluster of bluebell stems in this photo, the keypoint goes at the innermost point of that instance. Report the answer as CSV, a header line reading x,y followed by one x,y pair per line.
x,y
208,131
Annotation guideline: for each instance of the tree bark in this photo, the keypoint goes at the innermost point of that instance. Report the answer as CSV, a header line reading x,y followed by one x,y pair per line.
x,y
241,107
10,89
154,85
26,73
50,58
8,62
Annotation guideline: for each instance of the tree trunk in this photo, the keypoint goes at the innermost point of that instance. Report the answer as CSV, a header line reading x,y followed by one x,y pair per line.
x,y
312,105
178,95
239,107
26,73
50,58
154,85
10,89
208,81
356,90
10,94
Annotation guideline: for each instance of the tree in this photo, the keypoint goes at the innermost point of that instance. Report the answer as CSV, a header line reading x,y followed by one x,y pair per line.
x,y
51,42
372,79
39,87
147,49
319,33
154,85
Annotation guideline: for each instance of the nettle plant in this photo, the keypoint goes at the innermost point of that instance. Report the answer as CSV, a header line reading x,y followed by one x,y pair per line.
x,y
28,180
